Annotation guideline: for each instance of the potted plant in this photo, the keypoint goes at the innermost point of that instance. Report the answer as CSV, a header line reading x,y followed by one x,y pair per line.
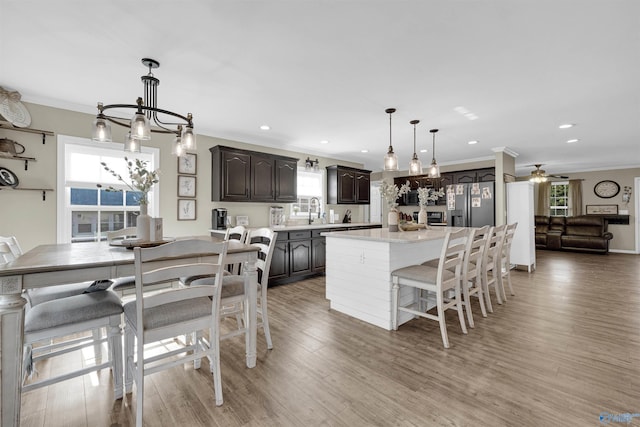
x,y
390,193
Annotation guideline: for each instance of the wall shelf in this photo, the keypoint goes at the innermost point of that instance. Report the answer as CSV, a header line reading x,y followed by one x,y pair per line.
x,y
8,126
25,159
44,190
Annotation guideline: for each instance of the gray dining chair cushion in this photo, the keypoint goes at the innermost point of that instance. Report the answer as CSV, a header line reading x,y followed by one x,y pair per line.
x,y
232,285
122,283
73,309
421,273
168,314
432,262
39,295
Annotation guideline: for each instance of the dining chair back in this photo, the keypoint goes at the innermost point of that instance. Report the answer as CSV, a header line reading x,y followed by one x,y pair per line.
x,y
189,311
491,265
505,266
444,281
11,249
125,284
472,271
239,232
122,234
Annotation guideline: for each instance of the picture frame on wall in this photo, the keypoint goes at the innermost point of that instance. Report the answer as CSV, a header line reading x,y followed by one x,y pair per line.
x,y
186,186
602,209
186,210
188,164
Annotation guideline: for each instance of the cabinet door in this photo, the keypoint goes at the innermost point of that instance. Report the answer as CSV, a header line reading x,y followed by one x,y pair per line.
x,y
346,186
286,180
279,261
363,187
262,178
318,254
465,177
300,256
236,176
486,175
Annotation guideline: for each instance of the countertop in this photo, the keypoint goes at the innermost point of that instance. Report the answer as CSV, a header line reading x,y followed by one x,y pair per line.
x,y
384,235
313,226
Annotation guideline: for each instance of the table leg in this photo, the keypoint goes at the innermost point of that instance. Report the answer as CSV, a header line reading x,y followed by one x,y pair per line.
x,y
11,352
250,310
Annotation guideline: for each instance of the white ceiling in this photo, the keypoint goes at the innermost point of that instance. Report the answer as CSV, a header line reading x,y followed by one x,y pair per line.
x,y
327,70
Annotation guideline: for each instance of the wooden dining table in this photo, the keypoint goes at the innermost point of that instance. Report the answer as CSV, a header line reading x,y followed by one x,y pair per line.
x,y
57,264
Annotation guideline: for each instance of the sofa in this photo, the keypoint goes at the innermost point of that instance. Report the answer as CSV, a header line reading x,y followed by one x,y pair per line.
x,y
579,233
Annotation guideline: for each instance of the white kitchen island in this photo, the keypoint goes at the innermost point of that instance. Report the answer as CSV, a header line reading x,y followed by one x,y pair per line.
x,y
359,266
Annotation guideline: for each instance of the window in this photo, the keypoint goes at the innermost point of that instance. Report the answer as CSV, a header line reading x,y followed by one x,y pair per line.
x,y
86,212
310,185
559,202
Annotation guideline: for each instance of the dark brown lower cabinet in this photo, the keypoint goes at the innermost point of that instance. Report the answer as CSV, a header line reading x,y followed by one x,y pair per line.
x,y
301,253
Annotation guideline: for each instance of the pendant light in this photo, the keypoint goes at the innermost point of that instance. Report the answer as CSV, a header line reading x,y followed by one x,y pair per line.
x,y
390,159
434,169
415,165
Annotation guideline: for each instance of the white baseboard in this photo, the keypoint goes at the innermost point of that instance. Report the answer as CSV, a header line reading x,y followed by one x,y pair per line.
x,y
624,251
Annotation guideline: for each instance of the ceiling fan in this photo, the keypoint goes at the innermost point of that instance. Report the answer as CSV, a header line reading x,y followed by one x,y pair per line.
x,y
539,175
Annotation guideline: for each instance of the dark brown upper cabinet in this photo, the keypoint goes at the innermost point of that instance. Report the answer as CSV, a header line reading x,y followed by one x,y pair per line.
x,y
249,176
346,185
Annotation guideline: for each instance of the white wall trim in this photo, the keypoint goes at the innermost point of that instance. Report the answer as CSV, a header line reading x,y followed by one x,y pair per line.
x,y
624,251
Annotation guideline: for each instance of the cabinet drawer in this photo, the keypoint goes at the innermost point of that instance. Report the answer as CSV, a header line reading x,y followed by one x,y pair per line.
x,y
282,236
302,234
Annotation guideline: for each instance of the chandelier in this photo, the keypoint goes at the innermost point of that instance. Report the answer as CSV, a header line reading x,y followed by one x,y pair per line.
x,y
146,110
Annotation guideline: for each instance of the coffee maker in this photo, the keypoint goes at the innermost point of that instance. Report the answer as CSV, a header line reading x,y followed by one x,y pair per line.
x,y
219,219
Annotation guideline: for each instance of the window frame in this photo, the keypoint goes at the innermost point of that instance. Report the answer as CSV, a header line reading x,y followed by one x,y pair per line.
x,y
300,208
69,144
553,197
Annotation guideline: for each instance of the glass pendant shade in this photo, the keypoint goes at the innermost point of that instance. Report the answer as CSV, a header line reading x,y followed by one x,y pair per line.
x,y
178,147
391,160
140,128
434,170
101,130
131,144
188,138
415,166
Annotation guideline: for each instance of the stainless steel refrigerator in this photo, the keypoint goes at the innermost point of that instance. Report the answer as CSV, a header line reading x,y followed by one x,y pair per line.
x,y
471,205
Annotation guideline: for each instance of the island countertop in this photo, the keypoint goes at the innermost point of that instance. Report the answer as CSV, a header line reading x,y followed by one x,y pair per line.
x,y
384,235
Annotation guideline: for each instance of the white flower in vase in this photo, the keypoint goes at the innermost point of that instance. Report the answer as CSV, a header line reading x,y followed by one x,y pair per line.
x,y
426,195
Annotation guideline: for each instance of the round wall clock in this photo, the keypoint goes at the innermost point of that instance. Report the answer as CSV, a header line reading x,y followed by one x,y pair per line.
x,y
606,189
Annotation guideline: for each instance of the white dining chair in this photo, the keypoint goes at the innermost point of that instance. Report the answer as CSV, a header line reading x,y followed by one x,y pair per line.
x,y
38,296
59,326
239,232
177,312
233,295
443,280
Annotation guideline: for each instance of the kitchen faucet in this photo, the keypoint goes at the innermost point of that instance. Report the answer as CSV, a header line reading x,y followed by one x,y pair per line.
x,y
311,203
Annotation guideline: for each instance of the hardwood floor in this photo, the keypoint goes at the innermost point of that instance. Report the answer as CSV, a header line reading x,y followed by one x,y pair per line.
x,y
563,350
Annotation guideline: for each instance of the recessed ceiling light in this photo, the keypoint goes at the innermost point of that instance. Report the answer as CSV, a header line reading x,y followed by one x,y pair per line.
x,y
364,151
424,150
324,141
566,126
472,142
571,141
265,127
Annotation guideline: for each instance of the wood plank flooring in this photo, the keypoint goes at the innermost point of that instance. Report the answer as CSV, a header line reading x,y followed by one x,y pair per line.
x,y
563,350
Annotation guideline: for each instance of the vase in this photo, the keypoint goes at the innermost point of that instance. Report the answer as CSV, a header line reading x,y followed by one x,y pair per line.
x,y
143,224
392,219
422,215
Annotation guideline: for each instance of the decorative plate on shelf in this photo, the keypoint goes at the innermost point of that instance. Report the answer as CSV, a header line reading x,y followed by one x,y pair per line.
x,y
606,189
8,178
12,109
